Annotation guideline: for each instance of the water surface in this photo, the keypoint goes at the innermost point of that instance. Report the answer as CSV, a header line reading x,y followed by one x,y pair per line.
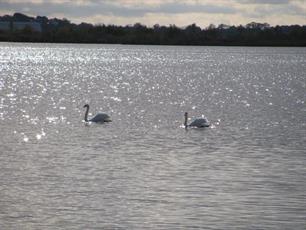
x,y
144,170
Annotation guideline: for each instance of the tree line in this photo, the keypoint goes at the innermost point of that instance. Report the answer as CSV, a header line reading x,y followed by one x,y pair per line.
x,y
63,31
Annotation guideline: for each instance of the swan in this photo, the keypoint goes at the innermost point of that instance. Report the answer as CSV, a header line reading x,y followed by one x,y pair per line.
x,y
199,122
100,117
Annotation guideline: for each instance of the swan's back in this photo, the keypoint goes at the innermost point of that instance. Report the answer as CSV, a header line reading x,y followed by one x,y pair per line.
x,y
101,117
200,123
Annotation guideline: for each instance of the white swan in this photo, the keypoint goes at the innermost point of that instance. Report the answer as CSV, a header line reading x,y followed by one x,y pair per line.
x,y
199,122
100,117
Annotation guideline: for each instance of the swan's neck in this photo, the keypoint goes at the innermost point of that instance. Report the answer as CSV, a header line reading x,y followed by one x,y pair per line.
x,y
86,114
186,120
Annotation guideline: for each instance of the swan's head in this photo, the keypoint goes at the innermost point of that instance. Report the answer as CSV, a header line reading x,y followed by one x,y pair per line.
x,y
86,106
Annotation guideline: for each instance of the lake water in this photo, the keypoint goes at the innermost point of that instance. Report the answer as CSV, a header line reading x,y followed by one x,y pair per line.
x,y
144,170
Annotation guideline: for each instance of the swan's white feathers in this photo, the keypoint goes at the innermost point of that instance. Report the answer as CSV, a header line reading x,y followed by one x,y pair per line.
x,y
101,117
199,123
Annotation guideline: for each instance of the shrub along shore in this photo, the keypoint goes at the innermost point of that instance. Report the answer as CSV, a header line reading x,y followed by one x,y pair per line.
x,y
22,28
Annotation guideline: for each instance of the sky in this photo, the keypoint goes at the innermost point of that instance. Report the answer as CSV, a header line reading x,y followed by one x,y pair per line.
x,y
164,12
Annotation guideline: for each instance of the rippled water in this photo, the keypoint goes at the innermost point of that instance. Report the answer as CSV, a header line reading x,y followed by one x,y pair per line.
x,y
144,170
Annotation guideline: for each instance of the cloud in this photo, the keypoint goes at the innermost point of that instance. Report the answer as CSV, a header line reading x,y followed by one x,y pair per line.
x,y
273,2
93,7
176,8
179,12
279,10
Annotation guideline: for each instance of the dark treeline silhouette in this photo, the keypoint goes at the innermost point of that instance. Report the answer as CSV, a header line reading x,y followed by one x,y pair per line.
x,y
21,28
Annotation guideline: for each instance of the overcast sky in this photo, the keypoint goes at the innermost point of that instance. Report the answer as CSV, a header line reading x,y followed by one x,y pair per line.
x,y
164,12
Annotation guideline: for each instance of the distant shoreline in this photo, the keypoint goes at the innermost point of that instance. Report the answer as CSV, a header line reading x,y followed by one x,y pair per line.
x,y
82,43
22,28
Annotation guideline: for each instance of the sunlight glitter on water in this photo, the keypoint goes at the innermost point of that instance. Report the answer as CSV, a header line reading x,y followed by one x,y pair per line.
x,y
247,169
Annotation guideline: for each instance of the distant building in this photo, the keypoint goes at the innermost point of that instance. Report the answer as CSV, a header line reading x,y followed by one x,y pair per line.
x,y
224,27
35,26
256,25
5,26
54,22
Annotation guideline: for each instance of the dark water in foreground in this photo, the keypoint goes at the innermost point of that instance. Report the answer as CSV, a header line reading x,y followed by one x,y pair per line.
x,y
143,170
